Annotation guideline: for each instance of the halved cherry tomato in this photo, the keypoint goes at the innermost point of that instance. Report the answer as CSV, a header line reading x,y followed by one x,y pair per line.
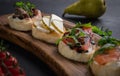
x,y
16,71
10,61
68,40
1,72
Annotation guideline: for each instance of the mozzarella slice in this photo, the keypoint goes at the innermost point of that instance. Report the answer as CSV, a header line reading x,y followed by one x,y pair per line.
x,y
39,25
47,24
57,23
45,21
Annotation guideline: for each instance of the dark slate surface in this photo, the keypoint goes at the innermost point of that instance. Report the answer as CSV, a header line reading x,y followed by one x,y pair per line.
x,y
31,64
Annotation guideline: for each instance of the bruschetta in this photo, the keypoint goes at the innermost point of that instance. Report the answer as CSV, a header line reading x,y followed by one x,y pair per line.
x,y
77,45
24,16
106,62
49,29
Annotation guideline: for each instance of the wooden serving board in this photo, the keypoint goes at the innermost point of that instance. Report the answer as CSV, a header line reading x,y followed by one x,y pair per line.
x,y
45,51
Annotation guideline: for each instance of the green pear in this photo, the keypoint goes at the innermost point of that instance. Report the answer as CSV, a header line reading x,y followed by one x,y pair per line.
x,y
87,8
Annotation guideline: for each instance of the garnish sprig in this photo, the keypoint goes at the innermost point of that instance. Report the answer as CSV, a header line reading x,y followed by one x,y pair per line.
x,y
100,31
27,6
110,40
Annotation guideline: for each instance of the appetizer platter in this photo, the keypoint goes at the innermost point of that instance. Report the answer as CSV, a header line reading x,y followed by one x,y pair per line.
x,y
69,49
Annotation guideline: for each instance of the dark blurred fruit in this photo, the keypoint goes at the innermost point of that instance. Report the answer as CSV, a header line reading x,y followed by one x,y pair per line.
x,y
9,65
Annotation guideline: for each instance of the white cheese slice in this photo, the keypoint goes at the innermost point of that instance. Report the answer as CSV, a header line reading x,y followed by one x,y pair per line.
x,y
57,23
47,23
39,24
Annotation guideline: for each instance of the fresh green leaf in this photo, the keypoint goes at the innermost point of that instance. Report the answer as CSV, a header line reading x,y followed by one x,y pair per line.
x,y
72,32
101,32
58,41
87,25
79,25
108,39
27,6
82,34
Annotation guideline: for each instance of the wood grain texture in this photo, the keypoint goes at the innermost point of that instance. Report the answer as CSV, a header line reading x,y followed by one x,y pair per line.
x,y
45,51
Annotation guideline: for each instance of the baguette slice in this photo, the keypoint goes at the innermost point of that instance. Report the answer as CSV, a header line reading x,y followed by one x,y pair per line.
x,y
24,24
21,25
51,37
43,31
67,52
111,68
72,54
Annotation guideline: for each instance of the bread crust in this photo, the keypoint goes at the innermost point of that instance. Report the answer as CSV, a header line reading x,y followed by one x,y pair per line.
x,y
38,17
51,37
109,69
21,25
67,52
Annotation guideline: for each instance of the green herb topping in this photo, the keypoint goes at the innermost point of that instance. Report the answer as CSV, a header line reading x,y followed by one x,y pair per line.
x,y
79,25
101,32
95,29
27,6
109,40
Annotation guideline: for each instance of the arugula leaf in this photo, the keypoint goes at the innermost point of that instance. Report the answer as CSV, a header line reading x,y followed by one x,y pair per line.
x,y
27,6
58,41
79,25
82,34
72,32
101,32
95,29
108,39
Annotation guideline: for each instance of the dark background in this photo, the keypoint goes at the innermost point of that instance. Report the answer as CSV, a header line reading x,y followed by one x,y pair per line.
x,y
34,66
